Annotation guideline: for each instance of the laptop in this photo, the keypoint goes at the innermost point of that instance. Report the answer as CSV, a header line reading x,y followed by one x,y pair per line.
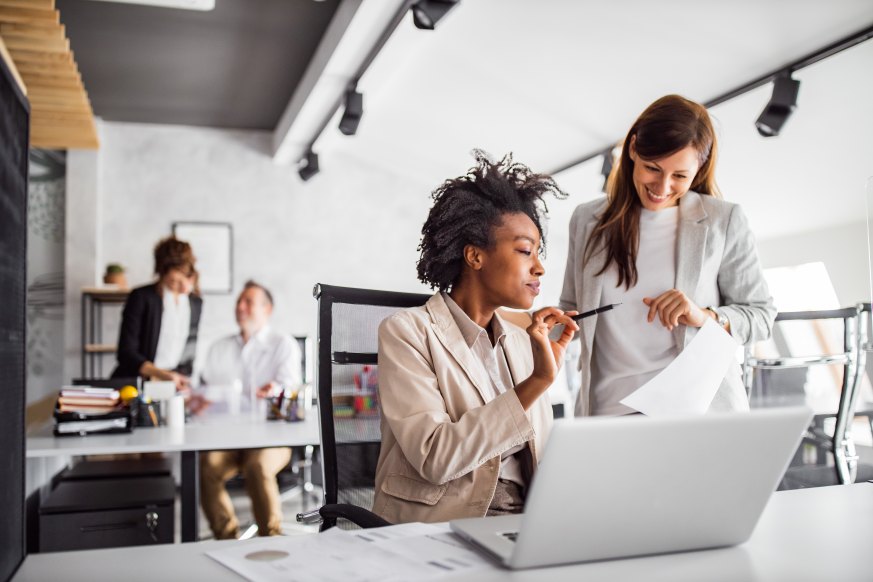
x,y
632,486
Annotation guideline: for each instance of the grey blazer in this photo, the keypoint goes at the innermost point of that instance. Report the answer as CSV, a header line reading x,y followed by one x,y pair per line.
x,y
716,265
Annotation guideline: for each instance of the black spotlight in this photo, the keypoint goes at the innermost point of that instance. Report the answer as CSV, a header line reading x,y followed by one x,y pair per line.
x,y
426,13
354,110
606,168
309,166
779,108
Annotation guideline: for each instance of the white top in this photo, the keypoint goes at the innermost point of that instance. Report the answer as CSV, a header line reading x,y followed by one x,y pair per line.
x,y
175,327
628,350
269,356
493,360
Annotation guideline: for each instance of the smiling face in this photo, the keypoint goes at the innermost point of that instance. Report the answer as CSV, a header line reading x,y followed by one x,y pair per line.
x,y
661,183
509,271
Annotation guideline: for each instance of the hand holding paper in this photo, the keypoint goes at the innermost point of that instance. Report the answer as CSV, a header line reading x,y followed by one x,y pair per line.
x,y
689,383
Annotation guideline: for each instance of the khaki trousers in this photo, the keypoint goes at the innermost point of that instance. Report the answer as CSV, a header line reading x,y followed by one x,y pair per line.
x,y
259,468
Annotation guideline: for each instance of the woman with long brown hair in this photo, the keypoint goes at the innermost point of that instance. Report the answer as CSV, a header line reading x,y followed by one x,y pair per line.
x,y
667,247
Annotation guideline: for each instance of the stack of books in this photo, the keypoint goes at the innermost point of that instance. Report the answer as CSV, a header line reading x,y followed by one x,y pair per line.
x,y
85,410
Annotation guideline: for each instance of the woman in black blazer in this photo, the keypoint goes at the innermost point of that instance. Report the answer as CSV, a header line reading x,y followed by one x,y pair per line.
x,y
141,322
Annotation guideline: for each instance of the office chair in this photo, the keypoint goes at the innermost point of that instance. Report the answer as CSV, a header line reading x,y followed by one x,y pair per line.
x,y
765,388
348,322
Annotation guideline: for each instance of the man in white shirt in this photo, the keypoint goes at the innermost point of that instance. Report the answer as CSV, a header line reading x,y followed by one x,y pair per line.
x,y
264,361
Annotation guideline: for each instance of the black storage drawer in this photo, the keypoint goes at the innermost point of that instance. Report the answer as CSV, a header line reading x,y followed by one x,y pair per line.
x,y
107,513
89,530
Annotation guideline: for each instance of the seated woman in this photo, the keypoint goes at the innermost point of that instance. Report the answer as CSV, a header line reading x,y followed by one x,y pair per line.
x,y
159,323
464,412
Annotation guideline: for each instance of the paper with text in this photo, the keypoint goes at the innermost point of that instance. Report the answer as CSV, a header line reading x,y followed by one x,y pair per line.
x,y
413,551
689,383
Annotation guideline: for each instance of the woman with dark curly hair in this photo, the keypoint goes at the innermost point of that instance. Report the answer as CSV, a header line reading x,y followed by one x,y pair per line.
x,y
464,419
159,323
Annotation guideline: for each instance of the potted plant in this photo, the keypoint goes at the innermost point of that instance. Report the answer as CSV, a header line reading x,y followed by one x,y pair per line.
x,y
115,275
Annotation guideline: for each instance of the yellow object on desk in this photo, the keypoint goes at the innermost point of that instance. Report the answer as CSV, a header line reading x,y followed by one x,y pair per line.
x,y
128,393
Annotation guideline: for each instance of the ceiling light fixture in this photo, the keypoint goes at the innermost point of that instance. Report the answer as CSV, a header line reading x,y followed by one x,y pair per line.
x,y
782,104
183,4
348,124
309,166
606,168
426,13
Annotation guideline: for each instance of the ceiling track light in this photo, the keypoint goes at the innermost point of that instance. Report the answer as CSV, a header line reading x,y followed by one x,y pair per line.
x,y
348,124
308,166
782,104
606,168
426,13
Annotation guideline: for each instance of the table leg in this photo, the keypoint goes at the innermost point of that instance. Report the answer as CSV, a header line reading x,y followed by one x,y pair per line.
x,y
190,495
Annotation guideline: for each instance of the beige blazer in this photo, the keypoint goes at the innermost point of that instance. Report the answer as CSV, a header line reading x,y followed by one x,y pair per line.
x,y
716,266
441,444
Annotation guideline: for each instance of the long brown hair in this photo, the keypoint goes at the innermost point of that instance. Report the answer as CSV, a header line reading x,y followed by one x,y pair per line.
x,y
666,126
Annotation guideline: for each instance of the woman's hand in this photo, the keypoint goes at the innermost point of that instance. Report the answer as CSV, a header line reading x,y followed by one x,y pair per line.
x,y
548,355
149,370
674,307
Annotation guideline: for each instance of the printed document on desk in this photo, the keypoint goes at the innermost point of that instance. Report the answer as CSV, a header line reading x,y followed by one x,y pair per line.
x,y
689,383
413,551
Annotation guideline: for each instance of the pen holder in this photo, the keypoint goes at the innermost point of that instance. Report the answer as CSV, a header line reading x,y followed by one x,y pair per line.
x,y
147,413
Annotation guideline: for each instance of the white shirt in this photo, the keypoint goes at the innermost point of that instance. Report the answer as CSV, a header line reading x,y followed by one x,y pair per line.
x,y
268,356
493,360
628,350
175,328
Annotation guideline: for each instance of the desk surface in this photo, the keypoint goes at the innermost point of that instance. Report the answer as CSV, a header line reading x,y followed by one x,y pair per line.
x,y
809,534
207,433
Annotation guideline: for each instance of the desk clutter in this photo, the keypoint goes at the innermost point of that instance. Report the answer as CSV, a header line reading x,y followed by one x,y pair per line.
x,y
82,410
363,401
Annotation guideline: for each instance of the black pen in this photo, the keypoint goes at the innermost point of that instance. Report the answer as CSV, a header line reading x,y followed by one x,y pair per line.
x,y
594,312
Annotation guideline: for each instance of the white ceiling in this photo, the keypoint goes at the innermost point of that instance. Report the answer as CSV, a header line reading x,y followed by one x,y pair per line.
x,y
553,80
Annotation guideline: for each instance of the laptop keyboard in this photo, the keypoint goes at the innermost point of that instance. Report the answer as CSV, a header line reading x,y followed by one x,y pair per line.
x,y
510,535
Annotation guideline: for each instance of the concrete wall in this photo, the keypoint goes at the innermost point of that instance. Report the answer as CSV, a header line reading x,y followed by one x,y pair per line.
x,y
353,224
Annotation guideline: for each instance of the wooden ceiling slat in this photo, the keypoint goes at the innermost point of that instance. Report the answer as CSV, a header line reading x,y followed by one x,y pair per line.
x,y
60,100
48,115
58,44
36,81
61,114
16,14
27,56
33,4
48,68
38,29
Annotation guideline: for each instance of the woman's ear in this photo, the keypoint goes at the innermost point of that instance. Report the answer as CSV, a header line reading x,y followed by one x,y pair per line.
x,y
632,149
473,257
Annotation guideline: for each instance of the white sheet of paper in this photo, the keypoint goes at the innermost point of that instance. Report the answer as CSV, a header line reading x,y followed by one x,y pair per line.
x,y
689,383
390,554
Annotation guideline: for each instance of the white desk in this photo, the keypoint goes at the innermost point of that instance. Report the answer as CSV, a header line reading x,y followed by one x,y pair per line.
x,y
811,534
209,432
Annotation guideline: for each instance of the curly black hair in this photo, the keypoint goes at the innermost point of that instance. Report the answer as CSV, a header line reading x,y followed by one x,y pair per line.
x,y
466,210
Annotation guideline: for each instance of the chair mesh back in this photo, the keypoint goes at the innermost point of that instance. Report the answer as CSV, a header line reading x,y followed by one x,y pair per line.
x,y
347,387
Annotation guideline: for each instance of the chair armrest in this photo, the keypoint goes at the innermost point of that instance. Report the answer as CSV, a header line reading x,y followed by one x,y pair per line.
x,y
329,513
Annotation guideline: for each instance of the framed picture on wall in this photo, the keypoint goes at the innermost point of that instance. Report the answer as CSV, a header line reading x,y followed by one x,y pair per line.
x,y
212,243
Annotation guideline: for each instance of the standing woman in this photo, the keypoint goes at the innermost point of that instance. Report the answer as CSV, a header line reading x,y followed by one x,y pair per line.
x,y
465,415
666,246
159,324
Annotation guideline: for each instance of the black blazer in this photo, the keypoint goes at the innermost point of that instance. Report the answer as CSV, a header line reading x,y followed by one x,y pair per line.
x,y
141,327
